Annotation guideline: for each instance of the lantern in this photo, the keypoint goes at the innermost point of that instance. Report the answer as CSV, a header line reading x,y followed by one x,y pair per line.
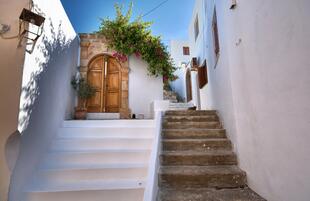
x,y
30,28
233,4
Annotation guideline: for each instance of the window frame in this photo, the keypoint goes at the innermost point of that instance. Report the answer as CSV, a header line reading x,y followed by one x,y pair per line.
x,y
186,51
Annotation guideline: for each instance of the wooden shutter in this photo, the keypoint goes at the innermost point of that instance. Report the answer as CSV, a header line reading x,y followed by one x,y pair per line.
x,y
203,75
189,95
196,28
216,34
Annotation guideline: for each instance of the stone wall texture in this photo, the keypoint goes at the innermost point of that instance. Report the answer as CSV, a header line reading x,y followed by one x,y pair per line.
x,y
94,45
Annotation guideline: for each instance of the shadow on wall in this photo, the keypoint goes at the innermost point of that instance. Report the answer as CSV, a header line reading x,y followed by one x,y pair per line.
x,y
52,48
47,99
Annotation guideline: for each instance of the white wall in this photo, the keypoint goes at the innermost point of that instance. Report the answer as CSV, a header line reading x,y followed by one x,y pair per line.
x,y
176,51
198,48
143,89
180,60
47,97
11,63
261,88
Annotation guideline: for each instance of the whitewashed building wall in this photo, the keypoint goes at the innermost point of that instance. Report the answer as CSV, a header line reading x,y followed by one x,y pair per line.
x,y
47,97
181,62
260,86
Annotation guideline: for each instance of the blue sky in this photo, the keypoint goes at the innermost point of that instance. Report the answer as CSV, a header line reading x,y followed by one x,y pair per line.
x,y
171,19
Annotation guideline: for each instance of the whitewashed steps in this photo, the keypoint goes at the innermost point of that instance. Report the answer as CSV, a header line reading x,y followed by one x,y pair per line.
x,y
109,124
98,157
123,190
71,132
95,160
58,177
101,143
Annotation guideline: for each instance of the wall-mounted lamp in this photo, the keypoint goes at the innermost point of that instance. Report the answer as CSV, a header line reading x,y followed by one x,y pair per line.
x,y
27,20
233,4
194,64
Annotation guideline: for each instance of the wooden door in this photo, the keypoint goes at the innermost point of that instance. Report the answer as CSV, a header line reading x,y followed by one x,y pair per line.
x,y
104,74
95,77
113,86
188,86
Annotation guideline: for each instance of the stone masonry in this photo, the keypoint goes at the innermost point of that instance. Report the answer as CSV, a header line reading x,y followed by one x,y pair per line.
x,y
93,45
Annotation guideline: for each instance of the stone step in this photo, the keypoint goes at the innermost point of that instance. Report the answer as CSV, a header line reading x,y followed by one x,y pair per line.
x,y
190,112
199,158
184,118
180,125
193,133
207,194
103,116
174,100
201,176
178,108
196,144
180,104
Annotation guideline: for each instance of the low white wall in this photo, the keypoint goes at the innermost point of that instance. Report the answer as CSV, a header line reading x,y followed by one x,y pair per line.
x,y
261,88
151,189
143,89
47,96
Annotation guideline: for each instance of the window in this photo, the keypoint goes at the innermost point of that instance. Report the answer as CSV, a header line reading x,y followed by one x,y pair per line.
x,y
196,27
186,51
215,35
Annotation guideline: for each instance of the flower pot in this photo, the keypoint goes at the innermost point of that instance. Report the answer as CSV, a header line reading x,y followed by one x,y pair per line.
x,y
80,113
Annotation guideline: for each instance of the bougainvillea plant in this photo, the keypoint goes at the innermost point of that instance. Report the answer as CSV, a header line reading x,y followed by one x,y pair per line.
x,y
128,37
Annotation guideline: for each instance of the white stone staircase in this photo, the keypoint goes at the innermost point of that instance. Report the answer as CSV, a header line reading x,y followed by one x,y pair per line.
x,y
95,161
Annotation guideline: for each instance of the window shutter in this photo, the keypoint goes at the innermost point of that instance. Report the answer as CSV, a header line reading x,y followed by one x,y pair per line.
x,y
216,34
216,39
203,75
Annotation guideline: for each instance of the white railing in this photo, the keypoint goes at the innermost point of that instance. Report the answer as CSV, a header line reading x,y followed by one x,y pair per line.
x,y
151,188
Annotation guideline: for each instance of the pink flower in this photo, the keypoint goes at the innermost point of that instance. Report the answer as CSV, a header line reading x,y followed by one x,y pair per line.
x,y
119,56
138,54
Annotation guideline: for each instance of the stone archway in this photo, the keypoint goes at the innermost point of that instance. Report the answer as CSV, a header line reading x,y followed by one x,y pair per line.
x,y
94,49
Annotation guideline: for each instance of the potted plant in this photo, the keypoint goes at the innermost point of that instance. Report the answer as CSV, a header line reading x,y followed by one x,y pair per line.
x,y
84,91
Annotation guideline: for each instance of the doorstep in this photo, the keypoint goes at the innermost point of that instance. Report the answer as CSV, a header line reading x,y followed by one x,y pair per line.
x,y
103,116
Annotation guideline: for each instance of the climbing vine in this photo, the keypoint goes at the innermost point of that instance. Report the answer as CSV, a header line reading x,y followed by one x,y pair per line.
x,y
128,37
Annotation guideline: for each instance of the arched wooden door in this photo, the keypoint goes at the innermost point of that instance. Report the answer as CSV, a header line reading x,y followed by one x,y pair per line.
x,y
189,95
104,74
